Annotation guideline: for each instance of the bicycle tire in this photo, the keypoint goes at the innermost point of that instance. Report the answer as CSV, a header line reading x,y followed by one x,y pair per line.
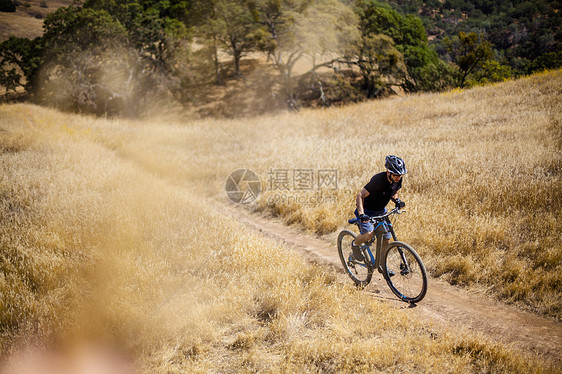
x,y
409,282
360,272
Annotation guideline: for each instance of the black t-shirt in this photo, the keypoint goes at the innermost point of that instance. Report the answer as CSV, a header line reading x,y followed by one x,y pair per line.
x,y
380,192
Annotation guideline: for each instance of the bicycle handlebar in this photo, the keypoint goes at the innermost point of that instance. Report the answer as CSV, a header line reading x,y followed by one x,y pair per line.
x,y
396,210
380,218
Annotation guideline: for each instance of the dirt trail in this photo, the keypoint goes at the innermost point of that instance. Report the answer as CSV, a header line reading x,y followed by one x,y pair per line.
x,y
444,304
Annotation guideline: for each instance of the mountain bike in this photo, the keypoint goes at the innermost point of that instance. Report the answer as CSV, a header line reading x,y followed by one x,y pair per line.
x,y
398,262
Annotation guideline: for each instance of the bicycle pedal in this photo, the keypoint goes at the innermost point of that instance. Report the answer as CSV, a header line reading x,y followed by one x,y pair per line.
x,y
390,272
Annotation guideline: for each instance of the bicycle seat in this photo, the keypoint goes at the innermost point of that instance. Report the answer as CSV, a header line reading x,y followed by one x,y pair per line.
x,y
353,221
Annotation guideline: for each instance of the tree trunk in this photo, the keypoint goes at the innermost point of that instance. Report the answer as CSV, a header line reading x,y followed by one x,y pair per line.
x,y
237,54
237,64
217,65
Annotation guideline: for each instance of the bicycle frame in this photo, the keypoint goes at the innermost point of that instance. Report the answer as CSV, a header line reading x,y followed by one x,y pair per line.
x,y
381,228
383,225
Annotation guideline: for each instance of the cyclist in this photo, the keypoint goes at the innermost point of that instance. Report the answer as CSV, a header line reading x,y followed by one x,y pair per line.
x,y
373,198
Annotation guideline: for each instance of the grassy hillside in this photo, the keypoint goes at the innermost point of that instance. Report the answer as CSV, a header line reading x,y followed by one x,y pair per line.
x,y
109,231
483,191
27,20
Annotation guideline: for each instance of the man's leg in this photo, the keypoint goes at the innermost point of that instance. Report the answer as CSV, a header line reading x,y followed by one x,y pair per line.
x,y
366,233
362,238
385,241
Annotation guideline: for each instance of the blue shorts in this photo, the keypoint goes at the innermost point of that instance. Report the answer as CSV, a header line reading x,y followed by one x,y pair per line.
x,y
368,226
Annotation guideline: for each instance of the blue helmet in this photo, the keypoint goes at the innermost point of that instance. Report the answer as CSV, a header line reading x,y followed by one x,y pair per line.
x,y
395,165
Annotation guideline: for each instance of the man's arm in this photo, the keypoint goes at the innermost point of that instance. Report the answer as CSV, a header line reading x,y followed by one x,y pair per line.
x,y
399,203
361,195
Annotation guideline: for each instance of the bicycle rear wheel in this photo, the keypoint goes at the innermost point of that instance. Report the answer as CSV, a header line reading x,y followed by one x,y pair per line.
x,y
359,271
404,272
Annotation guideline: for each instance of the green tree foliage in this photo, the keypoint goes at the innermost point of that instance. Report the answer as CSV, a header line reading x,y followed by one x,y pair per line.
x,y
78,44
552,60
490,72
115,56
103,57
153,28
19,62
381,64
424,70
225,25
71,29
520,31
380,19
239,29
470,52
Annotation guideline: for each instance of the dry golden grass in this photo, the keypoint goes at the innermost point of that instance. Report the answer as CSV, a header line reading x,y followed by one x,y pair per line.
x,y
27,20
109,231
21,25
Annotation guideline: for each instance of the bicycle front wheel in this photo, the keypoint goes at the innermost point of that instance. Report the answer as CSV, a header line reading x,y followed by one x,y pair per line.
x,y
404,272
359,271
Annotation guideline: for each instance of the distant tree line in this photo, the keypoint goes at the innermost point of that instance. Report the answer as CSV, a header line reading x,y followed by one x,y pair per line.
x,y
524,35
116,57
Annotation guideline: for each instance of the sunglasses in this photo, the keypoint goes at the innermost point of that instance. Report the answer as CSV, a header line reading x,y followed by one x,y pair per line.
x,y
396,175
